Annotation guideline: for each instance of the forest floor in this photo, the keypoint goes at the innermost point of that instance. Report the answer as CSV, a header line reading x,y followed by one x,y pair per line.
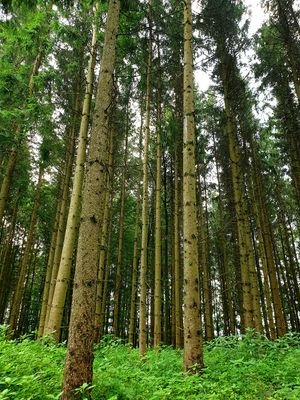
x,y
244,368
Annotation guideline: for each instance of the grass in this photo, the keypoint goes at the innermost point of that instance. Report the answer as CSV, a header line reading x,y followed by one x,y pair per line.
x,y
247,368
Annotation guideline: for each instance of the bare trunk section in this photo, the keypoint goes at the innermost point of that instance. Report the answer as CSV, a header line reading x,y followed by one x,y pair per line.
x,y
64,271
193,352
79,359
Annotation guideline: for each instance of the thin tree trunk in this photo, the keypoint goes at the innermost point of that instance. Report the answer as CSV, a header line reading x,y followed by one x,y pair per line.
x,y
107,270
103,244
118,277
46,289
157,263
135,261
144,240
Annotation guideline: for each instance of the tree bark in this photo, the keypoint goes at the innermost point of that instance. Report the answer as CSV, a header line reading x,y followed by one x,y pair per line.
x,y
79,360
193,352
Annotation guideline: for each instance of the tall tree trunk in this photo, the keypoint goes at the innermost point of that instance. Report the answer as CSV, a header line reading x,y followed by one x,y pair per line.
x,y
157,261
176,242
135,261
193,352
144,240
79,360
64,271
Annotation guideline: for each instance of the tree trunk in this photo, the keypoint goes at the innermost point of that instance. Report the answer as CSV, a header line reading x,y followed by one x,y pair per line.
x,y
144,240
118,277
104,243
135,261
157,264
79,359
64,269
193,353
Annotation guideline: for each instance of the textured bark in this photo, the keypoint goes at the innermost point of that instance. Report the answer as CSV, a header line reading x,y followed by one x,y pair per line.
x,y
79,359
64,270
193,352
18,295
144,240
118,277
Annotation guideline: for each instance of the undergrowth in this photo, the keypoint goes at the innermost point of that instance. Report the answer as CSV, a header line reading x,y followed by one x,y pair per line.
x,y
247,368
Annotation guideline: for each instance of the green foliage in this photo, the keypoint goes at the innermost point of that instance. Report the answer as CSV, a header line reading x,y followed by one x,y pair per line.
x,y
246,367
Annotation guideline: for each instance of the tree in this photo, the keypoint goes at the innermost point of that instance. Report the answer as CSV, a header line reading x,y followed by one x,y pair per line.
x,y
193,353
79,360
